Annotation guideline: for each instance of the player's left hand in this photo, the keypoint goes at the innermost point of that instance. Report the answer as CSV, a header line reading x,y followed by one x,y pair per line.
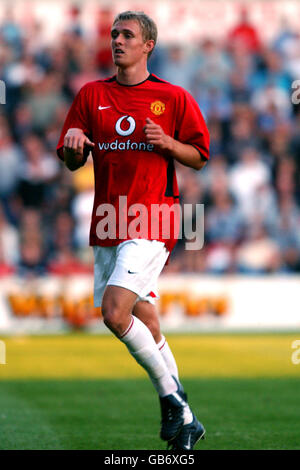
x,y
155,135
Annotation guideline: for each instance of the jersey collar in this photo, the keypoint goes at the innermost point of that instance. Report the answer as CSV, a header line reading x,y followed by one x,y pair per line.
x,y
136,84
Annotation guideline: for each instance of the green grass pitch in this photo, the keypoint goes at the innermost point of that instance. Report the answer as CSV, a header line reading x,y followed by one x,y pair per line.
x,y
86,392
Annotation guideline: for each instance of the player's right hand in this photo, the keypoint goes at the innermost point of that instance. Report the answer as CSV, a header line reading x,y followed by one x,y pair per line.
x,y
76,139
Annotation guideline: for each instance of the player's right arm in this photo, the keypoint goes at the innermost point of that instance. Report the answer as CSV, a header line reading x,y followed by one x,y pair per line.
x,y
75,143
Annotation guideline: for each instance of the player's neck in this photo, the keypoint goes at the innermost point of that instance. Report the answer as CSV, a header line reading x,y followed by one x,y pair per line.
x,y
132,75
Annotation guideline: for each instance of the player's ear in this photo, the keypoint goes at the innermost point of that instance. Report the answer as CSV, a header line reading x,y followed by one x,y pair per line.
x,y
149,46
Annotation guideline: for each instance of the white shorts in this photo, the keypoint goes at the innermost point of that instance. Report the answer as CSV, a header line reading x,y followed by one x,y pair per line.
x,y
133,264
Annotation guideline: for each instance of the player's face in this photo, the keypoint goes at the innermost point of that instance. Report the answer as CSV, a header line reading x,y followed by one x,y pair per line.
x,y
128,45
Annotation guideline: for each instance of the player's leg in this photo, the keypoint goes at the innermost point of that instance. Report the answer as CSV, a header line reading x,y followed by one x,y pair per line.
x,y
147,313
137,264
192,430
117,305
116,308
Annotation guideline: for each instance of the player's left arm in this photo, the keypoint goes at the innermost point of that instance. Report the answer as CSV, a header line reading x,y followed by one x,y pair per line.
x,y
186,154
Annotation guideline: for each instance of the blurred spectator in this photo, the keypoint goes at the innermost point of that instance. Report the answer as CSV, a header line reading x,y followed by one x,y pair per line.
x,y
285,178
239,90
241,133
277,141
9,241
224,221
191,189
10,162
74,26
258,254
284,228
243,66
66,263
294,146
272,73
285,38
244,32
10,32
87,72
213,69
22,121
246,178
43,98
38,169
33,261
214,177
177,66
23,72
214,104
103,55
193,261
30,225
287,44
292,63
273,106
220,257
224,229
63,194
32,251
216,136
62,235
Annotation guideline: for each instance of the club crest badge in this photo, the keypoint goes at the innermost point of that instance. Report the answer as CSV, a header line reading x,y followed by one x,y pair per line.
x,y
157,108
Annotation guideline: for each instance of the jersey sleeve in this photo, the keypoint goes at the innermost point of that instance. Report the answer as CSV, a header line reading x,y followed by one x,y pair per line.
x,y
76,117
190,125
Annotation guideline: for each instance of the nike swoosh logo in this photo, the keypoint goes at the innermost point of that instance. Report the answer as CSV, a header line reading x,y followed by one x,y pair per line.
x,y
132,272
188,446
178,398
103,107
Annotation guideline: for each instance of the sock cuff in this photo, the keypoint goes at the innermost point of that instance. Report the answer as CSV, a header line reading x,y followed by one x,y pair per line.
x,y
128,328
161,343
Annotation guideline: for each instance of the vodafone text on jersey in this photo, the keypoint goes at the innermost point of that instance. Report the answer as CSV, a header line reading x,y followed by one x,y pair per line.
x,y
128,145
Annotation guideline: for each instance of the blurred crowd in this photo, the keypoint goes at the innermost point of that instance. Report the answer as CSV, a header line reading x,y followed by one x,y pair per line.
x,y
250,188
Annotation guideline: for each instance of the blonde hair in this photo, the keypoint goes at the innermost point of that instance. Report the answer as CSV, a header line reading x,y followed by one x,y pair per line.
x,y
147,25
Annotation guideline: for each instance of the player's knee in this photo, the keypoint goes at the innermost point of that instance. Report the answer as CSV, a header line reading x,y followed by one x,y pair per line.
x,y
113,318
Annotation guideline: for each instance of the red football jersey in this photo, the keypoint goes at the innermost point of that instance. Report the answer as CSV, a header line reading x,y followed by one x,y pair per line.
x,y
132,179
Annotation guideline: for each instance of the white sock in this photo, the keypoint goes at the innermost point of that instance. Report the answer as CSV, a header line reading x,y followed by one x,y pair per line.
x,y
141,345
169,359
166,353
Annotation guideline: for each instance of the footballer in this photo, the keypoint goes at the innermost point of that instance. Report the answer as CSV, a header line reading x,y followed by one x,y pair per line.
x,y
136,125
